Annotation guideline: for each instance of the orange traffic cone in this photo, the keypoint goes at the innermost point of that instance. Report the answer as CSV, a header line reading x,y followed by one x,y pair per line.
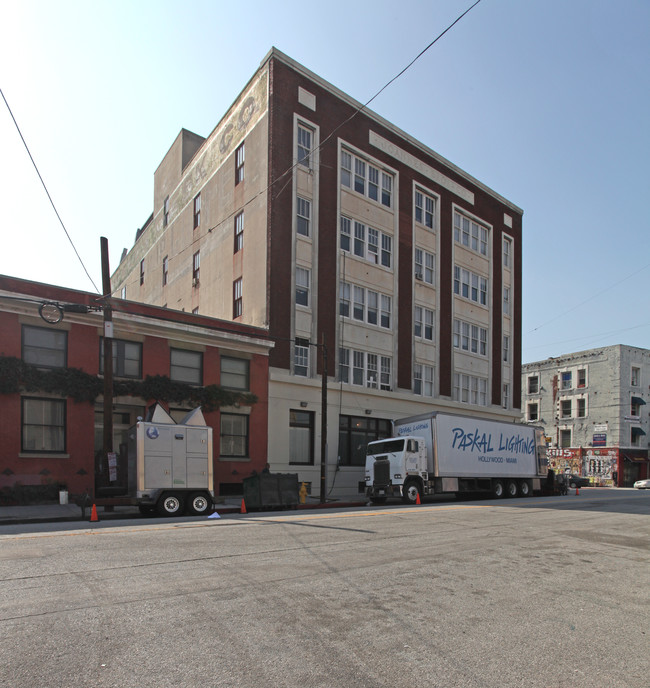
x,y
93,515
417,499
243,506
577,491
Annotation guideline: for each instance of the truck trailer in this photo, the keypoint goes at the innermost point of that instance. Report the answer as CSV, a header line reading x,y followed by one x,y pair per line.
x,y
170,464
437,453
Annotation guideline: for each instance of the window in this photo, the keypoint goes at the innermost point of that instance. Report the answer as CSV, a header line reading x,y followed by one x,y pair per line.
x,y
505,396
186,366
239,231
424,209
43,425
423,327
166,212
344,299
533,412
301,437
239,164
303,216
425,269
423,380
582,377
470,234
301,357
354,435
196,268
470,286
367,306
507,252
533,384
302,287
565,439
368,244
581,410
165,270
304,146
235,373
364,178
469,389
359,303
635,377
123,292
471,338
565,408
369,370
142,271
45,347
506,300
566,378
345,234
234,435
237,298
127,358
197,210
506,349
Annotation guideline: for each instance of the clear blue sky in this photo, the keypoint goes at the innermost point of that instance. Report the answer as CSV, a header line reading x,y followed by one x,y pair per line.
x,y
545,101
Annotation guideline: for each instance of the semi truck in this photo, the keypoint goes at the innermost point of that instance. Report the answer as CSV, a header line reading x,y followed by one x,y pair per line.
x,y
437,453
170,466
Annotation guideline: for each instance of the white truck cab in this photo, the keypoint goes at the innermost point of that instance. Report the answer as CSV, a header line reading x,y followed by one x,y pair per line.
x,y
391,464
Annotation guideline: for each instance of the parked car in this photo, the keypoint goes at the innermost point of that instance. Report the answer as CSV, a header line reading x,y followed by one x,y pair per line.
x,y
642,484
577,481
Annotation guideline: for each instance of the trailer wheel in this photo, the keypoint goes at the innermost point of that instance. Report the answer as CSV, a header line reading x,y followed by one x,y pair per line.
x,y
524,488
497,489
511,488
199,503
170,504
410,492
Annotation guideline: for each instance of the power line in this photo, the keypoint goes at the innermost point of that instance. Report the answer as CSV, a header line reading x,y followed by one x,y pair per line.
x,y
47,192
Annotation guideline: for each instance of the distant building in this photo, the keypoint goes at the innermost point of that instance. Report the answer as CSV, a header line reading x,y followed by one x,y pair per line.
x,y
310,216
593,406
47,438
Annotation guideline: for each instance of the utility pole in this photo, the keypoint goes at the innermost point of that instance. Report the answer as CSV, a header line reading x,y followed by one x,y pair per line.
x,y
323,425
108,353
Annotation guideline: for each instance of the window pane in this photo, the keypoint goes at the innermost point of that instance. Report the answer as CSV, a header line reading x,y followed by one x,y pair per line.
x,y
234,373
44,347
186,366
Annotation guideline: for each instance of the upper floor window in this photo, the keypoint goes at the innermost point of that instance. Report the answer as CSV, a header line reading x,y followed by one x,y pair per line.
x,y
505,396
302,286
566,380
303,216
165,270
582,377
565,408
196,268
425,207
469,389
301,357
533,384
45,347
166,211
237,298
127,358
470,234
197,210
369,370
581,410
470,285
368,243
635,377
507,252
565,438
239,164
367,305
506,300
43,425
425,266
423,326
469,337
366,179
423,380
532,412
142,271
239,231
235,373
304,146
123,292
186,366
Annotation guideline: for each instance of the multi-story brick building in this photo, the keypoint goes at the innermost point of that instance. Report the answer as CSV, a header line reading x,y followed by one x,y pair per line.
x,y
306,214
49,436
592,405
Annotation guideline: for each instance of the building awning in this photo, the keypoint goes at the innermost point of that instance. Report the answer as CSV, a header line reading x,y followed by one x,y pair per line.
x,y
638,431
638,401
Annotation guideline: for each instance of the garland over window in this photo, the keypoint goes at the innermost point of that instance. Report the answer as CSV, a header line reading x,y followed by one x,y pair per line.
x,y
17,376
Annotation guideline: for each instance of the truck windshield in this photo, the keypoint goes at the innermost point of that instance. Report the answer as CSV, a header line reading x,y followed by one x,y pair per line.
x,y
385,447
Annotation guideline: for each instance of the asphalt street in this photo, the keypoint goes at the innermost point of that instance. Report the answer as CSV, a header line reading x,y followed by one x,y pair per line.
x,y
540,592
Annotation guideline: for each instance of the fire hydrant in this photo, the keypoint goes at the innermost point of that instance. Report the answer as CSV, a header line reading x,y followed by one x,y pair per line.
x,y
303,493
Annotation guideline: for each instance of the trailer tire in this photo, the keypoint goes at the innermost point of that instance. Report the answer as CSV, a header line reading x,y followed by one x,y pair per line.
x,y
511,488
171,504
497,489
524,488
199,503
410,492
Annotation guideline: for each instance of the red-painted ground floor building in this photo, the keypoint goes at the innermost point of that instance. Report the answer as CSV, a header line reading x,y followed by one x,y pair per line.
x,y
51,366
606,466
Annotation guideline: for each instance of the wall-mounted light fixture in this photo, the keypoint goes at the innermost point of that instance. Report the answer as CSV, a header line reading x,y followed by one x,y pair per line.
x,y
368,412
303,404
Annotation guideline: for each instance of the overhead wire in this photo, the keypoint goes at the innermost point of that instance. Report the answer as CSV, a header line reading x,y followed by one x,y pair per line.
x,y
22,138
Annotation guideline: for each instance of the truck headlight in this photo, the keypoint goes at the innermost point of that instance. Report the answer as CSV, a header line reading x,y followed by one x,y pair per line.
x,y
397,476
367,478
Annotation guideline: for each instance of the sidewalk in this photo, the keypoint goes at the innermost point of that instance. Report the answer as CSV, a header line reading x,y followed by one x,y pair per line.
x,y
53,513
